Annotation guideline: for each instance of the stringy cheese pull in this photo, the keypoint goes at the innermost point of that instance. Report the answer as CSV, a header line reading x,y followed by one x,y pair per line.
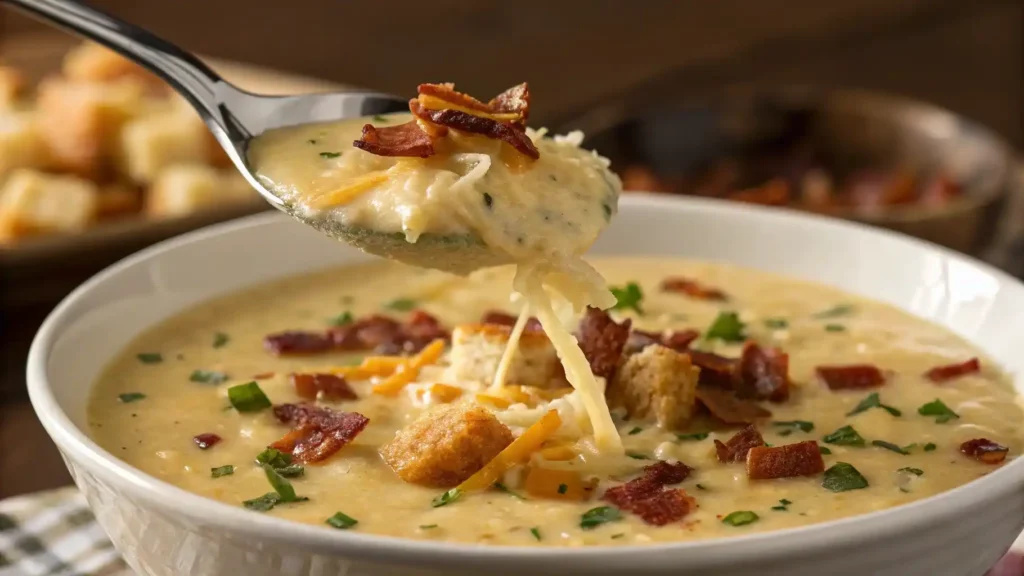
x,y
517,452
510,350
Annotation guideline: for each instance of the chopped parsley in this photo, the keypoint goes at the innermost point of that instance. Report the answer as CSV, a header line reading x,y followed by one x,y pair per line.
x,y
783,506
207,377
941,412
636,430
824,450
628,297
263,503
701,487
930,446
488,201
379,118
834,312
789,426
914,471
740,518
341,319
842,477
446,498
693,436
219,471
129,397
150,357
563,488
536,532
509,491
889,446
280,462
601,515
248,397
311,141
220,339
776,323
637,455
427,526
401,304
845,436
329,155
873,401
342,521
835,328
619,535
726,327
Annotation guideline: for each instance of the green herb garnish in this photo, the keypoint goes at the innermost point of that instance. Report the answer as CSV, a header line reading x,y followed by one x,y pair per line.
x,y
914,471
617,536
379,118
842,477
776,323
507,490
636,430
873,401
150,357
601,515
207,377
889,446
845,436
311,141
341,319
342,521
607,211
941,412
628,297
401,304
274,458
824,450
833,312
219,471
802,425
536,532
488,200
283,487
726,327
446,498
248,397
835,328
637,455
293,471
929,447
693,436
263,503
329,155
220,339
783,505
700,487
740,518
427,526
129,397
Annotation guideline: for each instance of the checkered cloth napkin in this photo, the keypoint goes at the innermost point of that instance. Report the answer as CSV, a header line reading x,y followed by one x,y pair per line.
x,y
54,534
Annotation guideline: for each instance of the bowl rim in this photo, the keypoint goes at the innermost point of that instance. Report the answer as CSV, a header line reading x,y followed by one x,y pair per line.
x,y
76,446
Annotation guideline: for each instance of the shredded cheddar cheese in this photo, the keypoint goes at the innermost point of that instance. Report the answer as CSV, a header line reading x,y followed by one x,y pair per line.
x,y
500,403
517,452
408,371
350,192
439,393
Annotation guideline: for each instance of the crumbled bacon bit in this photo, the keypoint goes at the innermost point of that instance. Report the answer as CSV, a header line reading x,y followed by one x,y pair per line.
x,y
680,340
985,450
515,100
692,288
373,333
421,330
263,376
511,133
648,498
318,432
950,371
205,441
502,319
402,140
637,489
764,373
309,386
729,408
664,473
715,371
640,339
852,377
296,342
602,341
800,459
663,507
735,450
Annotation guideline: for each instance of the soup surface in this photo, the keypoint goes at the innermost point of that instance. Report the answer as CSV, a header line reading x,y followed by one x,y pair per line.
x,y
160,402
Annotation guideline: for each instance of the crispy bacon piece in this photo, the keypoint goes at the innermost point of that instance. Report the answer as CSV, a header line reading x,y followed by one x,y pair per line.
x,y
985,450
637,489
421,329
851,377
664,473
663,507
735,450
729,408
800,459
296,342
515,100
372,333
513,134
205,441
503,319
775,192
647,497
950,371
692,288
402,140
640,339
318,432
764,373
309,386
680,340
715,371
602,341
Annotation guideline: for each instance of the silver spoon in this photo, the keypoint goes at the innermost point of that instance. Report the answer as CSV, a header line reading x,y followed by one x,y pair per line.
x,y
236,117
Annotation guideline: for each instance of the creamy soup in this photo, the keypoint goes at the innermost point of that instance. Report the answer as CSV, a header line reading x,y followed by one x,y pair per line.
x,y
884,442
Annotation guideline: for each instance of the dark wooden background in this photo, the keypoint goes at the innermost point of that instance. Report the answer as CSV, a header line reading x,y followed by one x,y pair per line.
x,y
964,55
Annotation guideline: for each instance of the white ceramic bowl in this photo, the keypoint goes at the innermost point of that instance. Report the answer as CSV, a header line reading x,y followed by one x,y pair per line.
x,y
162,530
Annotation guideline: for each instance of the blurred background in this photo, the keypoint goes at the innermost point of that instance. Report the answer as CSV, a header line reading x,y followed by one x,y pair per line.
x,y
900,113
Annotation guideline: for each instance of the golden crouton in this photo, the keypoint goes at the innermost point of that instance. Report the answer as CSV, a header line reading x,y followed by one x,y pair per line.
x,y
80,122
658,383
477,350
91,62
183,189
152,143
116,200
12,84
446,446
21,145
34,203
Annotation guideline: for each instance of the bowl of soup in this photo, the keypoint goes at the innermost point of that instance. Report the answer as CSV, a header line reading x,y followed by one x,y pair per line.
x,y
793,394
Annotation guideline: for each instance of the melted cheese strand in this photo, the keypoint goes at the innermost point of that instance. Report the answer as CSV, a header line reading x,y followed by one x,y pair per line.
x,y
513,346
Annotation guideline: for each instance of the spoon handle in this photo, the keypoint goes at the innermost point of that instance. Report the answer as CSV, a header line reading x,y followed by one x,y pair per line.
x,y
186,74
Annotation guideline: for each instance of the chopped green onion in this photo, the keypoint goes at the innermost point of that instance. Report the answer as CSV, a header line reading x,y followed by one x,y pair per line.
x,y
726,327
601,515
740,518
341,319
845,436
776,323
207,377
283,487
427,526
835,328
637,455
508,490
842,477
617,536
563,488
329,155
607,210
263,503
488,200
802,425
889,446
824,450
833,312
536,532
379,118
446,498
636,430
220,339
342,521
700,487
150,357
274,457
293,471
873,401
401,304
914,471
783,505
941,412
628,297
929,447
248,397
693,436
129,397
219,471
